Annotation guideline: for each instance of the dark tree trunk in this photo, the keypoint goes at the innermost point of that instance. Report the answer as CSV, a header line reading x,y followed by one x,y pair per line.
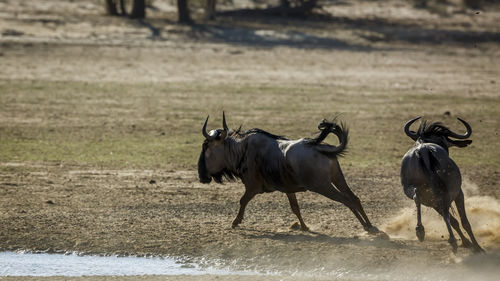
x,y
123,9
308,5
111,7
183,10
138,9
473,4
300,9
284,3
210,9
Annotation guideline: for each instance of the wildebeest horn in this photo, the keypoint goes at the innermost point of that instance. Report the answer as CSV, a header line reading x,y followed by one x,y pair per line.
x,y
224,124
464,136
204,130
409,133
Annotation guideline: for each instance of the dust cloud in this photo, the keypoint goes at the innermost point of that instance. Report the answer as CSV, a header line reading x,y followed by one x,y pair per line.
x,y
483,213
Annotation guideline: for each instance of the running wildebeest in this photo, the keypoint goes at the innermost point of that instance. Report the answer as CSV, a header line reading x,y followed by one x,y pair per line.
x,y
430,177
266,162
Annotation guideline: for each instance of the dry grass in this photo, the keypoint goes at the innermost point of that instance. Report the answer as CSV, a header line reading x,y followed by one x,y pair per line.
x,y
158,125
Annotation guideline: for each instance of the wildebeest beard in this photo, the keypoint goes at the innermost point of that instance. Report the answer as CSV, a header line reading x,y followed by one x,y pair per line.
x,y
224,174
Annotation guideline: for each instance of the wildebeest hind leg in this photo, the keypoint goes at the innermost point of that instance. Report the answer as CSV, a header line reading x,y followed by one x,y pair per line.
x,y
338,180
332,193
243,203
465,242
459,202
445,212
295,209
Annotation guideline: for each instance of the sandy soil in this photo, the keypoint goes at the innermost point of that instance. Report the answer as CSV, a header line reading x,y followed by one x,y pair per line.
x,y
59,207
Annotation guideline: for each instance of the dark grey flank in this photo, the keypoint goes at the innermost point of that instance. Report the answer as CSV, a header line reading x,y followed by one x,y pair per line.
x,y
430,177
267,162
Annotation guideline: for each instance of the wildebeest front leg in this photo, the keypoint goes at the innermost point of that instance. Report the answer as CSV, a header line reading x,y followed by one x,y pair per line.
x,y
295,209
459,202
420,231
243,203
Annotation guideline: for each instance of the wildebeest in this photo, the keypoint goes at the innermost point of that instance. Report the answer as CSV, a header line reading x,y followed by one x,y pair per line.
x,y
266,162
430,177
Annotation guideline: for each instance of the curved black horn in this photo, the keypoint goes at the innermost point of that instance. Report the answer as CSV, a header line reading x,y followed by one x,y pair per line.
x,y
464,136
409,133
224,124
204,130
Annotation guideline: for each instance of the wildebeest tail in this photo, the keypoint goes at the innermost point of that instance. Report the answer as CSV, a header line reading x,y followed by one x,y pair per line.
x,y
430,166
341,131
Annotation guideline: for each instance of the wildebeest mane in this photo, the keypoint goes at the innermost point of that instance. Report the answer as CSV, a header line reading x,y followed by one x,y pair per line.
x,y
242,134
434,128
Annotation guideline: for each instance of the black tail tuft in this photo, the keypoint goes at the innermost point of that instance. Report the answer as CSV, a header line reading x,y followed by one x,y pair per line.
x,y
327,127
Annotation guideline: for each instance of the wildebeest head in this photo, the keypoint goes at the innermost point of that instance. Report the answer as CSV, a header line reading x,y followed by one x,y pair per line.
x,y
438,133
211,163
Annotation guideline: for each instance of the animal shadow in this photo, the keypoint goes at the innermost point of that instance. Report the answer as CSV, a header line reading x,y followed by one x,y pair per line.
x,y
379,241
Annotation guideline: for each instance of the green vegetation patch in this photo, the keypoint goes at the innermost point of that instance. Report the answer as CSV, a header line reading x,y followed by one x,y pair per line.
x,y
158,125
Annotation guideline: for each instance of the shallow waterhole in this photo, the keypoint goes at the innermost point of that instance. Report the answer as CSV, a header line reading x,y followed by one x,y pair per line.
x,y
42,264
475,267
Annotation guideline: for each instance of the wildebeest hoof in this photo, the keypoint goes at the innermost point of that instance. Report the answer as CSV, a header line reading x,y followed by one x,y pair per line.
x,y
466,243
372,229
454,248
453,243
298,226
420,232
478,250
383,235
235,223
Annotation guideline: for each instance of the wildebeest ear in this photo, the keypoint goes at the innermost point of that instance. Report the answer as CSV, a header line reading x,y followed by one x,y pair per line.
x,y
460,143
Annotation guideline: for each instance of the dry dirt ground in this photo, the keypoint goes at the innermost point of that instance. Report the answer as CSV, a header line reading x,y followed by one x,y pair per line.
x,y
100,127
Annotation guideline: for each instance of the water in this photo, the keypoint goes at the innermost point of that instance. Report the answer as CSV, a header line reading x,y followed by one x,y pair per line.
x,y
483,267
29,264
